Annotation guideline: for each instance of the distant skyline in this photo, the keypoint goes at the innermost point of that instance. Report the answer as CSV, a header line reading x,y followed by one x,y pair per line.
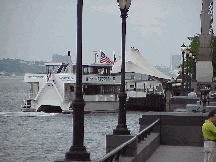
x,y
175,61
37,29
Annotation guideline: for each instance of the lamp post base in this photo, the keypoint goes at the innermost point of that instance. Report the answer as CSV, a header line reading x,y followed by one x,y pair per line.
x,y
77,153
121,129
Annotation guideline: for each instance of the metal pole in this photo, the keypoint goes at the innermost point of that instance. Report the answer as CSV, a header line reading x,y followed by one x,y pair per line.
x,y
204,103
195,69
204,93
190,76
182,83
186,89
121,128
78,151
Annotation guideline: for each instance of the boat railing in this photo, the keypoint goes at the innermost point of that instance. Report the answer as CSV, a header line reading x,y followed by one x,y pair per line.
x,y
26,104
42,85
120,150
60,96
60,90
31,95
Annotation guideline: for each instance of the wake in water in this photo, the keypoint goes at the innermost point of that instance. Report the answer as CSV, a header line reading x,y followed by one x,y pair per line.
x,y
27,114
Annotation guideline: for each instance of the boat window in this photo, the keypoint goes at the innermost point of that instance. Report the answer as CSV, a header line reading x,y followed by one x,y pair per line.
x,y
52,68
157,89
160,88
72,88
74,69
90,69
87,70
101,89
101,71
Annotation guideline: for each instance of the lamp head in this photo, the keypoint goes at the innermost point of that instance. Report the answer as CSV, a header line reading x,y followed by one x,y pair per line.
x,y
124,4
183,48
187,51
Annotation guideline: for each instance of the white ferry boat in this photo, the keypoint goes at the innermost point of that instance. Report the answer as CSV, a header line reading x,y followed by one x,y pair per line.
x,y
54,91
2,73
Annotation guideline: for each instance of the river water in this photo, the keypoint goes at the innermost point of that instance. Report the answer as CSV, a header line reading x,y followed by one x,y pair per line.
x,y
41,137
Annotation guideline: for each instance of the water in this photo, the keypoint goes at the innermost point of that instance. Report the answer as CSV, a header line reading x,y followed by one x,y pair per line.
x,y
38,136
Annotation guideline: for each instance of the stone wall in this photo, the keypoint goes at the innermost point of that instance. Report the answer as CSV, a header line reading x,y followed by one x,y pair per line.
x,y
180,102
178,129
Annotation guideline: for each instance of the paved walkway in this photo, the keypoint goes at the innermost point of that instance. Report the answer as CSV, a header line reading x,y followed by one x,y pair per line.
x,y
166,153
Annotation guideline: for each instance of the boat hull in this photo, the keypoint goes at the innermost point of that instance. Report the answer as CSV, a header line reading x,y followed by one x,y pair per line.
x,y
49,109
90,106
28,110
101,106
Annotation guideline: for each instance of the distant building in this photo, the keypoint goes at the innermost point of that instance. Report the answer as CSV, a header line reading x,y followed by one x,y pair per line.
x,y
175,61
165,70
59,58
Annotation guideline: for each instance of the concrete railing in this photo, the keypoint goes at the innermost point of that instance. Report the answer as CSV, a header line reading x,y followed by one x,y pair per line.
x,y
177,128
120,150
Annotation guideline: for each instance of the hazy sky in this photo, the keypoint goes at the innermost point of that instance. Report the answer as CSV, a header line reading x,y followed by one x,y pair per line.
x,y
37,29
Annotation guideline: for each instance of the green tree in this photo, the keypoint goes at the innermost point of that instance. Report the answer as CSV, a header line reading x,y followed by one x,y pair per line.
x,y
194,45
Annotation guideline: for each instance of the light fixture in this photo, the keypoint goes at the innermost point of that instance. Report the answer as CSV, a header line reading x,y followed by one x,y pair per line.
x,y
124,4
183,48
187,51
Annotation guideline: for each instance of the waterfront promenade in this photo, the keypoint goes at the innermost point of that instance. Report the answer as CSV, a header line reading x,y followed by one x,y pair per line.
x,y
174,137
165,153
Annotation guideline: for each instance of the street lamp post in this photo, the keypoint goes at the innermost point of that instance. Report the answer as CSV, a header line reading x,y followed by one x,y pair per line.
x,y
190,56
183,48
121,128
78,151
204,93
187,57
194,69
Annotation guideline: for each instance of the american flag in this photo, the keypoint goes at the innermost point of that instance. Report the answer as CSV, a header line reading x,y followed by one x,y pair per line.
x,y
105,59
48,76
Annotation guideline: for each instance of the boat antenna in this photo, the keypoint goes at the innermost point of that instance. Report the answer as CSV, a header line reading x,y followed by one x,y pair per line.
x,y
95,53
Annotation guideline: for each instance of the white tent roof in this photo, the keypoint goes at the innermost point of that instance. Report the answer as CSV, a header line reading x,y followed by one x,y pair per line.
x,y
135,62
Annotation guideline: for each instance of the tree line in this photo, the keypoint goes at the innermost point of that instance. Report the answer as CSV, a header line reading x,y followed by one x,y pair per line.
x,y
20,67
194,45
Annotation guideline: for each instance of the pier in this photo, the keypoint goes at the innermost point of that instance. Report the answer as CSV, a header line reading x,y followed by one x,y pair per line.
x,y
164,136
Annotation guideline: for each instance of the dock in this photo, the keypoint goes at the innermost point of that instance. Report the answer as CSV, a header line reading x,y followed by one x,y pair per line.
x,y
167,137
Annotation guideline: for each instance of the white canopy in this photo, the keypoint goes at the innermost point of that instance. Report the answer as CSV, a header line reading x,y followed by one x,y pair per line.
x,y
135,62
